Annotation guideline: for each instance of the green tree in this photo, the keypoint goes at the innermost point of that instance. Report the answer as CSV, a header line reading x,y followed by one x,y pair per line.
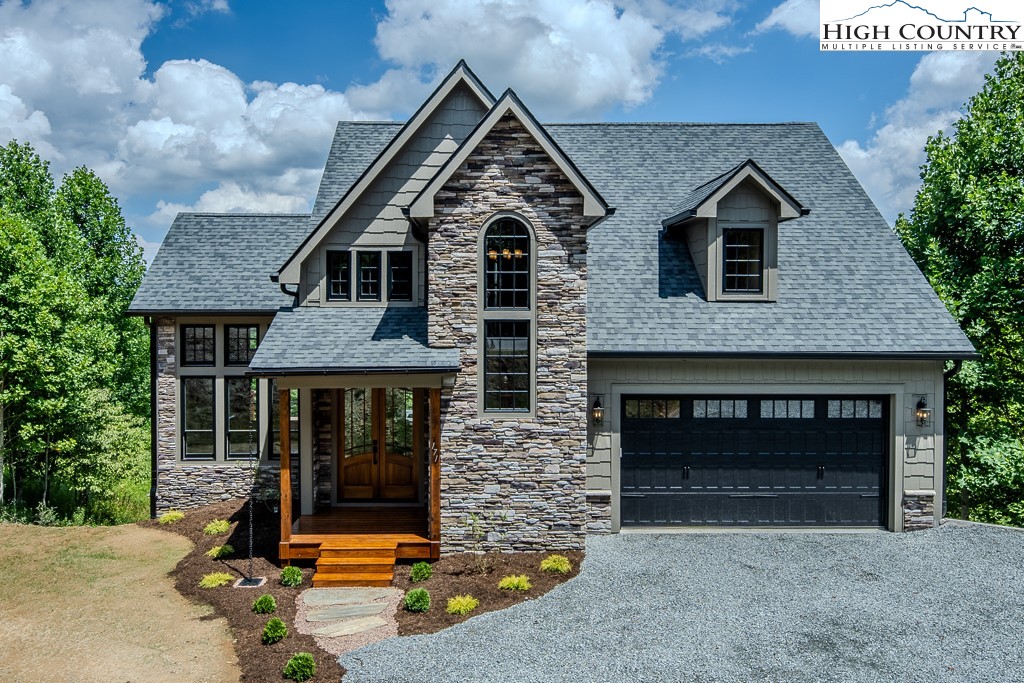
x,y
966,232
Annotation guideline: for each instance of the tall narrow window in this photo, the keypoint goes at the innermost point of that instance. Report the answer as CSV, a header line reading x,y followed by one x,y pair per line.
x,y
241,421
338,278
743,260
197,440
369,276
241,341
275,422
399,276
507,365
197,346
507,265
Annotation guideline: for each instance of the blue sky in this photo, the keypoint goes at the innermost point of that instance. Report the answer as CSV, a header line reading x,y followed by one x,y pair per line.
x,y
228,105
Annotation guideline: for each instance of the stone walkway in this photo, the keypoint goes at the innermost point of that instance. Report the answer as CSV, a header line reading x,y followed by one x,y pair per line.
x,y
344,619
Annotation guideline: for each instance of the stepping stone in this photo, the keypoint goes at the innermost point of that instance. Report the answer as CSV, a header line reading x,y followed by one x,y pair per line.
x,y
346,611
350,627
319,597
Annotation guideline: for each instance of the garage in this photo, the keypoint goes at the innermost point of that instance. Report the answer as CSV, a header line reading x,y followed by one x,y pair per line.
x,y
753,460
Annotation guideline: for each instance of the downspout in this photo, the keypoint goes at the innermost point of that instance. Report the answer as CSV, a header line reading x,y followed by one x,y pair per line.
x,y
150,323
946,376
284,288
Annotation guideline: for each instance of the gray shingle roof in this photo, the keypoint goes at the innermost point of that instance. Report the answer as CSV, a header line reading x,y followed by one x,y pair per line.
x,y
356,144
350,339
220,263
846,285
695,198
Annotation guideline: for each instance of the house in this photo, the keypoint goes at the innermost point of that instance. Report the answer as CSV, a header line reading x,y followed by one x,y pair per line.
x,y
495,333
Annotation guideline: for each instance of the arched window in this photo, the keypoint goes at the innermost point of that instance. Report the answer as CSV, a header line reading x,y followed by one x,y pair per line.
x,y
507,317
507,265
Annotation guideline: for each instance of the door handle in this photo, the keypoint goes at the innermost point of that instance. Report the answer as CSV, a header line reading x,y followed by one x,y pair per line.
x,y
821,471
686,472
375,451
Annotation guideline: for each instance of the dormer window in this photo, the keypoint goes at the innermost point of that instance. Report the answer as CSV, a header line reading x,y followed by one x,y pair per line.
x,y
743,260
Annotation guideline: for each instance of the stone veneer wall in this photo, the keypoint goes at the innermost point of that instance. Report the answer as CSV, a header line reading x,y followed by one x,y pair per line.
x,y
323,412
522,477
918,510
186,485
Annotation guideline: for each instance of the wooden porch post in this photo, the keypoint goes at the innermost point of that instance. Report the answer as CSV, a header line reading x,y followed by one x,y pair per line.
x,y
284,406
435,473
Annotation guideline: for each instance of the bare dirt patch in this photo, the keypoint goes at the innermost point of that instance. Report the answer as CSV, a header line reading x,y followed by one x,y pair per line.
x,y
95,603
475,575
259,662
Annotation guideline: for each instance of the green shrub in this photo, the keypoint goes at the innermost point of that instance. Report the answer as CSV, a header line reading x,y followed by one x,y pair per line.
x,y
515,582
556,563
417,600
265,604
462,604
219,551
215,580
217,526
274,631
170,517
291,576
300,667
421,571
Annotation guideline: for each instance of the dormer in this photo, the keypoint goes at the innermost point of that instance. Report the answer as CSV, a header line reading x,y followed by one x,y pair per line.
x,y
731,225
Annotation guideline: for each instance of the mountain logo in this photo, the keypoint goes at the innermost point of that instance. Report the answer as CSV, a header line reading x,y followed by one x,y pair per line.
x,y
924,25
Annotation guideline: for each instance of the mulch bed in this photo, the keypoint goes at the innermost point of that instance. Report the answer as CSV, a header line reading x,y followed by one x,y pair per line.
x,y
475,575
461,574
258,662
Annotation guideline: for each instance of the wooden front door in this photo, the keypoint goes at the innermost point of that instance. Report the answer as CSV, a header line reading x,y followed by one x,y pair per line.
x,y
380,438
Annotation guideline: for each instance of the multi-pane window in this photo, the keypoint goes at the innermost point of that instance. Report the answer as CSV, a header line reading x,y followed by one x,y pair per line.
x,y
787,408
719,408
859,409
197,400
197,344
275,422
507,265
399,276
743,257
240,343
507,365
652,408
338,277
241,421
368,282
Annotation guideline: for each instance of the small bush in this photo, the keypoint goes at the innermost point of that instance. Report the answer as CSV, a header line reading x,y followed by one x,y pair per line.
x,y
421,571
515,582
217,526
300,667
171,517
274,631
417,600
558,564
219,551
462,604
215,580
265,604
291,576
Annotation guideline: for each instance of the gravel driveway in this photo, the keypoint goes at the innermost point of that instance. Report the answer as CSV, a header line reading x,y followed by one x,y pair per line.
x,y
940,605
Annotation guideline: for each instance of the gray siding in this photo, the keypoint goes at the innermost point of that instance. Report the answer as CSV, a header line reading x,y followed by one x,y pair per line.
x,y
915,451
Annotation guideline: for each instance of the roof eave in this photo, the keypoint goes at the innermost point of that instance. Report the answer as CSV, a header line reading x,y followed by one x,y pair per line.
x,y
790,355
367,370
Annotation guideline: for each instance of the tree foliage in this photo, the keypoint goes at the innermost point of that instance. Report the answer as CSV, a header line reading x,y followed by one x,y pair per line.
x,y
966,232
73,388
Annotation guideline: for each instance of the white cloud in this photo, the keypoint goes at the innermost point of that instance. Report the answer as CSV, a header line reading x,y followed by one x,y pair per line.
x,y
198,7
799,17
570,58
888,164
231,197
718,52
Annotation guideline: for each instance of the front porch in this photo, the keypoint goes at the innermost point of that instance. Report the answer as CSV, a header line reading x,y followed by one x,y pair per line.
x,y
384,480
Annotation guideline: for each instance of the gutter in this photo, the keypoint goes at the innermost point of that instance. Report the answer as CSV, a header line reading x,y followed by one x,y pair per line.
x,y
151,324
787,355
946,376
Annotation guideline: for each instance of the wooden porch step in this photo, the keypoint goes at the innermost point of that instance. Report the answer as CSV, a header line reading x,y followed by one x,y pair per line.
x,y
352,580
349,565
384,552
356,560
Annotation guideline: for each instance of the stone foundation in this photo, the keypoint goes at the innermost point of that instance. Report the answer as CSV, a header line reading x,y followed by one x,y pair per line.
x,y
599,512
918,510
190,486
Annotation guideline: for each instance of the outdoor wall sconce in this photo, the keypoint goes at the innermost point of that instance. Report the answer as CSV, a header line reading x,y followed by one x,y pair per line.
x,y
923,413
597,412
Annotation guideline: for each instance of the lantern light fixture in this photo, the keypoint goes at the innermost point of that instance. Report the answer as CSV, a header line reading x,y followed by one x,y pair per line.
x,y
922,412
597,412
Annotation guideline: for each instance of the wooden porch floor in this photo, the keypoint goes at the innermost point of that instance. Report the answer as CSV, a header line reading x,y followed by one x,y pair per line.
x,y
358,546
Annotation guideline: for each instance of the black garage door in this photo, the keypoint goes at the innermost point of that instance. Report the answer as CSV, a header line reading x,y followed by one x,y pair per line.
x,y
754,460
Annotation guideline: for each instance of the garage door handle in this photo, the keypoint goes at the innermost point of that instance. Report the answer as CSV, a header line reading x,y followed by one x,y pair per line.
x,y
869,495
633,495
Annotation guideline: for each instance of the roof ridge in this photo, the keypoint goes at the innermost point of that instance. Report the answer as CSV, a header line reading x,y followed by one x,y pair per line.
x,y
248,214
680,123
